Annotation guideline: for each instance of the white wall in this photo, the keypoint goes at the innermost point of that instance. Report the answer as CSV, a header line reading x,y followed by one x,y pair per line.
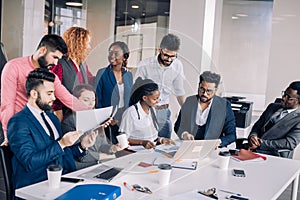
x,y
101,22
285,48
244,49
21,34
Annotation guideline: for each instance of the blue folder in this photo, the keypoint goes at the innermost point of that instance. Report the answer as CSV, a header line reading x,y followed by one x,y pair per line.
x,y
92,191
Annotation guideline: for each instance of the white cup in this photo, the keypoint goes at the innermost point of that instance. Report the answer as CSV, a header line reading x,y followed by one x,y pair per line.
x,y
123,142
54,175
223,160
164,174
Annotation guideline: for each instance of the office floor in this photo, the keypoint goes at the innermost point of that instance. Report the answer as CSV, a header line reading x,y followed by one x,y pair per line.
x,y
286,195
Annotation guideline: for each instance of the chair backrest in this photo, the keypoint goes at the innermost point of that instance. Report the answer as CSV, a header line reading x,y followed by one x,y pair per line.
x,y
296,153
5,158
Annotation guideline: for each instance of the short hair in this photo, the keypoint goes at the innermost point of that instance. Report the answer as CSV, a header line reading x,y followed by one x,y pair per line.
x,y
36,78
295,86
170,42
53,43
82,87
123,46
210,77
77,40
140,88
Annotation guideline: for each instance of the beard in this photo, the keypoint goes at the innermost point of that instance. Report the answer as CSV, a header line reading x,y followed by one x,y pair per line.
x,y
43,62
166,63
204,99
42,105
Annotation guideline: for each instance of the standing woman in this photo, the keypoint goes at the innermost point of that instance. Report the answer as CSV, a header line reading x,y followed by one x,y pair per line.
x,y
72,68
139,120
113,85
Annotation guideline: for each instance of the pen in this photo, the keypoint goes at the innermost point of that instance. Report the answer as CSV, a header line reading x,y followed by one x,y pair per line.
x,y
128,186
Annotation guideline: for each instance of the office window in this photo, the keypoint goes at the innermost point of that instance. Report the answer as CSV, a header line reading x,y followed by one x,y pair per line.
x,y
59,15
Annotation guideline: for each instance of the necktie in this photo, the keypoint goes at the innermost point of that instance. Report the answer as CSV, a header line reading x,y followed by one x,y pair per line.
x,y
275,119
48,125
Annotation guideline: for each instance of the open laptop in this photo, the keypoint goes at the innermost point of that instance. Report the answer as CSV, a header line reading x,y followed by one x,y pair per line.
x,y
101,173
195,149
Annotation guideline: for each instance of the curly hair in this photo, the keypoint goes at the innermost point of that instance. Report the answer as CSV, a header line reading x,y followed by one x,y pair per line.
x,y
77,40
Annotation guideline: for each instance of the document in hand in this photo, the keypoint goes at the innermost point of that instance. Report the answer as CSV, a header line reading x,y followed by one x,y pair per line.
x,y
247,155
91,119
92,191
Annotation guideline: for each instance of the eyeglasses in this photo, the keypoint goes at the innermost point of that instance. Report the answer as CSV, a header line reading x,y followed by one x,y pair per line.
x,y
288,97
208,91
167,56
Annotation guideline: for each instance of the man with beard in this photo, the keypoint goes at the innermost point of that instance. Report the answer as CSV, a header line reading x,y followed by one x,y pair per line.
x,y
35,134
13,94
206,115
279,125
166,71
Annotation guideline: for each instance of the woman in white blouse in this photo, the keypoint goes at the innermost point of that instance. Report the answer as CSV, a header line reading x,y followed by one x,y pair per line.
x,y
139,121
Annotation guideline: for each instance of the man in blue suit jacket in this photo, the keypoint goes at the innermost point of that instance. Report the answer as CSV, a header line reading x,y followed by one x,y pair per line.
x,y
36,145
205,115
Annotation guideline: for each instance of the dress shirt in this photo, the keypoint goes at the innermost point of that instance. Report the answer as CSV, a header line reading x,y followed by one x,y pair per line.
x,y
37,115
169,79
201,116
138,125
14,98
121,94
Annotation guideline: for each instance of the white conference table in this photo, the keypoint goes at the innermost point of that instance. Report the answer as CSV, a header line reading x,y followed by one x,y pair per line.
x,y
265,180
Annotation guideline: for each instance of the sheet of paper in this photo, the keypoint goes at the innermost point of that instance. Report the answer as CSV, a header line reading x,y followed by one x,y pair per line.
x,y
89,119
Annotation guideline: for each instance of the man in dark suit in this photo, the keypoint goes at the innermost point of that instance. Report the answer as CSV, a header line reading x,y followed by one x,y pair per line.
x,y
279,125
36,137
206,115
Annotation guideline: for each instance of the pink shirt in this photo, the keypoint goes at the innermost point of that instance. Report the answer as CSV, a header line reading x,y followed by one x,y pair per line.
x,y
13,92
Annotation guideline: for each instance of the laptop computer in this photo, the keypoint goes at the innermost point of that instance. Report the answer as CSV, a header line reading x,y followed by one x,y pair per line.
x,y
101,173
195,149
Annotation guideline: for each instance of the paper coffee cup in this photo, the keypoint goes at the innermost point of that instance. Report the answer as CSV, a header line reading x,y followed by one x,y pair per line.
x,y
122,140
223,160
54,175
164,174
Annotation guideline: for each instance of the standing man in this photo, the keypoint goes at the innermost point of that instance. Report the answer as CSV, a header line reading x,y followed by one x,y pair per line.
x,y
35,135
279,125
206,115
167,71
13,94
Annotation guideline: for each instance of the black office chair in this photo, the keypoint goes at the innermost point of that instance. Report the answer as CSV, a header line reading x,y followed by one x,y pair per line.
x,y
5,159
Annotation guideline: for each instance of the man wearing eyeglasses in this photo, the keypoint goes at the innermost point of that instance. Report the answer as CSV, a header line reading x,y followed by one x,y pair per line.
x,y
279,125
206,115
167,71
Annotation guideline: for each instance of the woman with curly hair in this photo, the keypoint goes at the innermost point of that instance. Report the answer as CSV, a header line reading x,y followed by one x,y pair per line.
x,y
72,69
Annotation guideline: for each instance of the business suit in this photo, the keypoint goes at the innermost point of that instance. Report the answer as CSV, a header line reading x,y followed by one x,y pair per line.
x,y
220,121
107,92
285,134
34,150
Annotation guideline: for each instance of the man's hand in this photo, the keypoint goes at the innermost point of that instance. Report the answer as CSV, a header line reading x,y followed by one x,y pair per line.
x,y
5,142
114,148
187,136
148,144
69,138
89,140
255,142
167,141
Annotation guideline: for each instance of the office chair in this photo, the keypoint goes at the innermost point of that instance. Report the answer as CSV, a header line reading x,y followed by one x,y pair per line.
x,y
296,156
5,158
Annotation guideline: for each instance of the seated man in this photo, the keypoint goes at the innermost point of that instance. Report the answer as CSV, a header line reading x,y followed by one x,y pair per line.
x,y
205,115
279,125
35,135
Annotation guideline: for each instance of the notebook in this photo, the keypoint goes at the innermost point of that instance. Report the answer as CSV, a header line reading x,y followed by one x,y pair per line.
x,y
101,173
92,191
196,149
